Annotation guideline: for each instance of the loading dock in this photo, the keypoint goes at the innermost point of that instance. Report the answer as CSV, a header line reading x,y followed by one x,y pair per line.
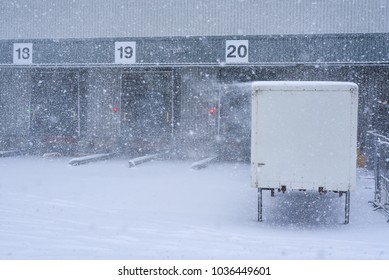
x,y
187,84
54,111
146,111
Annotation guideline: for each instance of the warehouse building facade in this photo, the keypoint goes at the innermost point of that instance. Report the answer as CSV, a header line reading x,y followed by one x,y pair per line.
x,y
140,76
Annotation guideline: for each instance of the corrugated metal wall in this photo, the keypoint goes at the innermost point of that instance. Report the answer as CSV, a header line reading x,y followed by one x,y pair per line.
x,y
148,18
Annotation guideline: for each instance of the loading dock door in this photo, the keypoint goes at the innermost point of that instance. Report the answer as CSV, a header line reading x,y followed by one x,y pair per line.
x,y
235,121
146,110
54,108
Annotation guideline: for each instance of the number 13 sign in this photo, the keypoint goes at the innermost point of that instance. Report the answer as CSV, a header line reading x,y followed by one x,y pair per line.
x,y
22,53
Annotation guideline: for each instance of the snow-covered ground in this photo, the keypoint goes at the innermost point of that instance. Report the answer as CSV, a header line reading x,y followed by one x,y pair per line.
x,y
165,210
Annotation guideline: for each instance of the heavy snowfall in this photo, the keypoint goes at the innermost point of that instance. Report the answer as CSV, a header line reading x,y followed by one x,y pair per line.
x,y
166,210
142,90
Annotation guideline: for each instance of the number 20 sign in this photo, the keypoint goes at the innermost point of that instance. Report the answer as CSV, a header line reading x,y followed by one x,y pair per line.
x,y
125,52
237,51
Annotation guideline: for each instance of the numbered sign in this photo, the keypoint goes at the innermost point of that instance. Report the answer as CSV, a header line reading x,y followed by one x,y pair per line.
x,y
125,52
237,51
22,53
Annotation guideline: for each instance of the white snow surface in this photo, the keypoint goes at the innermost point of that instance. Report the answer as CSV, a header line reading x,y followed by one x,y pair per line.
x,y
166,210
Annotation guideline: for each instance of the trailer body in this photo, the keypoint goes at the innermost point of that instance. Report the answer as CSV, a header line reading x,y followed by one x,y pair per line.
x,y
304,136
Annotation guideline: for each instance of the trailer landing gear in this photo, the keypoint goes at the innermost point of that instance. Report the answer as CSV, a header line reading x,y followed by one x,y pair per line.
x,y
260,201
346,208
259,205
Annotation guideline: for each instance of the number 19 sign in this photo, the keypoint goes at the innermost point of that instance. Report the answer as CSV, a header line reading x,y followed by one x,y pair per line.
x,y
22,53
125,52
237,51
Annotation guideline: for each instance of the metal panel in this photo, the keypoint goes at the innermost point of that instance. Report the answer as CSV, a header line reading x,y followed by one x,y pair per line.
x,y
336,48
147,110
199,94
22,19
103,96
14,102
322,158
54,105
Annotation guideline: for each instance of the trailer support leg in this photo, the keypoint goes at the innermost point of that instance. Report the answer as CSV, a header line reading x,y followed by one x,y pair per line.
x,y
347,208
259,204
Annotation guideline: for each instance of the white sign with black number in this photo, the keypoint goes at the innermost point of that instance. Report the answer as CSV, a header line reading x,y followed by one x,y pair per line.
x,y
237,51
22,53
125,52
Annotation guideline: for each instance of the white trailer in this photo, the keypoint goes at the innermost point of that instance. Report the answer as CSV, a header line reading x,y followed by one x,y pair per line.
x,y
304,137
